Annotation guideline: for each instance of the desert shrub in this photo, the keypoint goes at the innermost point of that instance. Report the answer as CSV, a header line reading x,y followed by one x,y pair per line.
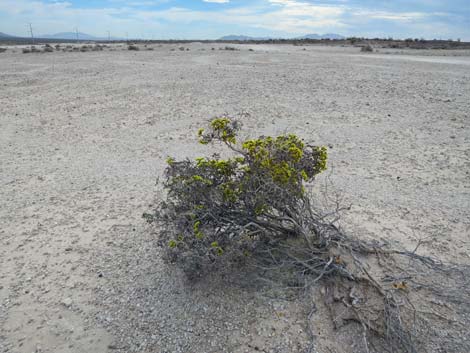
x,y
2,50
219,211
367,49
48,49
253,211
133,47
26,50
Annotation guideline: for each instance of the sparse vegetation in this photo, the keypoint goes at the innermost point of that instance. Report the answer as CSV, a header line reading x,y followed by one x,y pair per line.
x,y
133,47
367,49
2,50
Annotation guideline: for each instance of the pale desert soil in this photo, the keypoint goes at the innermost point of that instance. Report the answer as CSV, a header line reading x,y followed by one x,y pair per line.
x,y
83,137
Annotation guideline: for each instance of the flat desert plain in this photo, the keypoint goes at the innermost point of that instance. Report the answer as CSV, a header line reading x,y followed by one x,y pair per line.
x,y
84,136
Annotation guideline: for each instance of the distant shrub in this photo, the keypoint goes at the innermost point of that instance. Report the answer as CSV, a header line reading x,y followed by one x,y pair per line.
x,y
26,50
48,49
133,47
2,50
367,49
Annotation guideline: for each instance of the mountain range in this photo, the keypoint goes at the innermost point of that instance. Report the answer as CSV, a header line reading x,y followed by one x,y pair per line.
x,y
73,36
4,35
69,35
63,35
308,36
84,36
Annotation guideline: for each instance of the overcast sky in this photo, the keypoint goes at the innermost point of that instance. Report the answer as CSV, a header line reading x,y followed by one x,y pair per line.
x,y
190,19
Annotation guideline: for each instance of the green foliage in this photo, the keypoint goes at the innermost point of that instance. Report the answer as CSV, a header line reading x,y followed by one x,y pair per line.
x,y
217,210
222,129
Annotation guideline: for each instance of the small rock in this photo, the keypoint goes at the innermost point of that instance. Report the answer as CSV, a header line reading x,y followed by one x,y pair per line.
x,y
67,302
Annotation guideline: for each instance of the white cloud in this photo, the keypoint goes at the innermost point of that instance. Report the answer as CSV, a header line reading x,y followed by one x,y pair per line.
x,y
392,16
218,1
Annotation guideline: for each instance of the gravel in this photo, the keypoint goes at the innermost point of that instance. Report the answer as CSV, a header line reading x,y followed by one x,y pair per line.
x,y
83,136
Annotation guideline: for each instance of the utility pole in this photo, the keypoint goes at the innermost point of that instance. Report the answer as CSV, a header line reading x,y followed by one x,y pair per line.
x,y
109,36
76,32
31,31
127,37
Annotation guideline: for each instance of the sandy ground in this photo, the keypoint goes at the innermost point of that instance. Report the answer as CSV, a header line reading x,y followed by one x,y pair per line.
x,y
83,137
